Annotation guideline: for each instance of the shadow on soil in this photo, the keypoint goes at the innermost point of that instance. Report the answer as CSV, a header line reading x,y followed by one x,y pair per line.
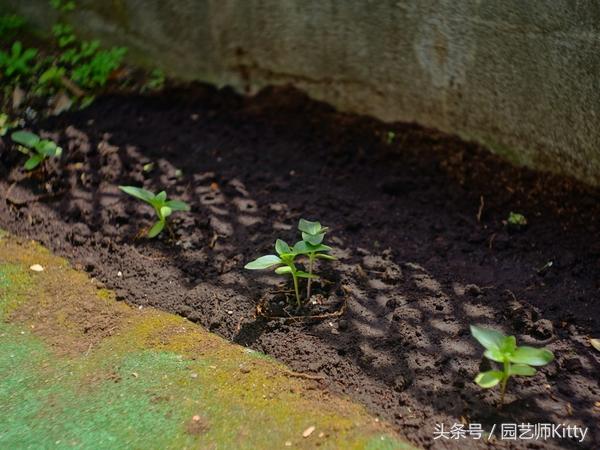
x,y
416,224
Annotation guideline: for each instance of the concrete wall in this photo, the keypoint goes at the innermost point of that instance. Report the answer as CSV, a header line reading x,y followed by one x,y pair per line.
x,y
522,77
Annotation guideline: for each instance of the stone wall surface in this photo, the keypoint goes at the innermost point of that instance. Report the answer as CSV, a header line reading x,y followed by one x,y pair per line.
x,y
521,77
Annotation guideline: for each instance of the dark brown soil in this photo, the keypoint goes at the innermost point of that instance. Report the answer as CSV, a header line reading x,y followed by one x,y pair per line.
x,y
417,263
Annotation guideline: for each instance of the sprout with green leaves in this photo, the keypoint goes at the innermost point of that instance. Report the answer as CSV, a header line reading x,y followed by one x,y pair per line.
x,y
515,360
38,149
389,137
284,263
516,220
163,207
6,124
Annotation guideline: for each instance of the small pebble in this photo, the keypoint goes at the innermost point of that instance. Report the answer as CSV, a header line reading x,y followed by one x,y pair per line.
x,y
37,268
308,431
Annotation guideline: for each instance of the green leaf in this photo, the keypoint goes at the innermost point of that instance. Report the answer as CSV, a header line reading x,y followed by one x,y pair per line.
x,y
313,239
508,345
522,369
304,248
595,343
46,147
165,212
301,248
494,354
532,356
29,54
301,274
281,247
25,138
288,258
306,226
490,339
139,193
320,248
16,48
489,379
156,229
283,270
33,162
264,262
161,196
52,75
178,205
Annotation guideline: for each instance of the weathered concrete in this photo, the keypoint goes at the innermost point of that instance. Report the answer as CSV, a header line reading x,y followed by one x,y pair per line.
x,y
521,77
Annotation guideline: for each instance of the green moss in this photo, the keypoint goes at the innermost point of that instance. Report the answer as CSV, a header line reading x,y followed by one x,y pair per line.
x,y
514,155
14,281
105,294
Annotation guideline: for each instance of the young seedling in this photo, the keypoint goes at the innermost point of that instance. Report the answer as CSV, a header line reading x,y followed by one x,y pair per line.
x,y
16,63
6,124
515,360
38,149
284,262
516,221
389,137
312,246
163,207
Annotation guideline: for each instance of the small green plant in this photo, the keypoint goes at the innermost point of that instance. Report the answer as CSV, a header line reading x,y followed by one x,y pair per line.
x,y
284,262
63,5
6,124
17,62
390,137
52,76
90,66
64,34
87,64
163,207
100,64
515,360
9,25
516,220
156,80
38,149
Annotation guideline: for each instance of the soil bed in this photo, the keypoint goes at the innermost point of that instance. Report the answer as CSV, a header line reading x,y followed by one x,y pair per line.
x,y
415,220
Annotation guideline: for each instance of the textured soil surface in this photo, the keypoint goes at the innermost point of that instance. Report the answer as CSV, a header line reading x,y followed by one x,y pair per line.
x,y
416,220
